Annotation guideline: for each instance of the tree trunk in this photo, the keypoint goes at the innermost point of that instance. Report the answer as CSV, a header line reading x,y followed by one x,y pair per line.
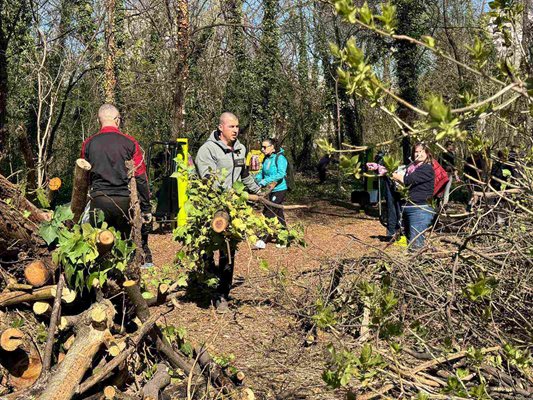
x,y
3,92
110,78
407,56
90,336
182,67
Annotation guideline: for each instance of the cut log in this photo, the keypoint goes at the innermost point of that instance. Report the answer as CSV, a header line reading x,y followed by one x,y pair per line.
x,y
67,296
109,392
14,298
157,382
239,377
105,242
53,187
11,339
115,347
22,362
89,338
220,221
37,273
80,188
216,374
42,308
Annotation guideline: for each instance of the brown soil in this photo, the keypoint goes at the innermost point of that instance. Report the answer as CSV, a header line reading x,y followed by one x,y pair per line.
x,y
262,330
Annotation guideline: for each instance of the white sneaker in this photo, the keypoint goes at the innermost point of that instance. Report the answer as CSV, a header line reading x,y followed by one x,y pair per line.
x,y
281,246
259,245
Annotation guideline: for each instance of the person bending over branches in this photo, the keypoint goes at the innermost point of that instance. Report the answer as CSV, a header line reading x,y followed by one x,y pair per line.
x,y
224,156
417,211
273,175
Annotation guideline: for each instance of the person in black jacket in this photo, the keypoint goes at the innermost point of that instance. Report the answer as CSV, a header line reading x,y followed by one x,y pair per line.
x,y
107,151
420,179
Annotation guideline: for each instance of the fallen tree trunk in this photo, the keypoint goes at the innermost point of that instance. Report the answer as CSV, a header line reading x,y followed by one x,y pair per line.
x,y
91,333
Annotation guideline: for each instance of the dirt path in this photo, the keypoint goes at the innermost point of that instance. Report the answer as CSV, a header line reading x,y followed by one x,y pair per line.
x,y
265,337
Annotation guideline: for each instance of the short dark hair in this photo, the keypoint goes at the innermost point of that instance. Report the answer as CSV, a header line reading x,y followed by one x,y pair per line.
x,y
448,143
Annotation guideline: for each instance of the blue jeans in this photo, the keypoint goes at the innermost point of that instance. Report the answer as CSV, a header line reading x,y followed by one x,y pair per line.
x,y
417,219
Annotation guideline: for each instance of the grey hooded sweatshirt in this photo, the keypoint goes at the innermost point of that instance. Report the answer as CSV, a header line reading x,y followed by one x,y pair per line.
x,y
215,156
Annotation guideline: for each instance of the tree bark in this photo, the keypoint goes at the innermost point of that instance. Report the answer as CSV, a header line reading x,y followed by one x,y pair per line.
x,y
89,338
13,298
80,188
3,91
182,67
110,78
158,381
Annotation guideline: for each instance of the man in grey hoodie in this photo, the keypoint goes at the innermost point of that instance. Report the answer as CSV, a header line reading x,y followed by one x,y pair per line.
x,y
224,156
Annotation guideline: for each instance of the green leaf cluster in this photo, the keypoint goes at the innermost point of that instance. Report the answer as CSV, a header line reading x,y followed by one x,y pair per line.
x,y
76,250
364,14
324,315
351,166
441,119
481,289
345,365
205,198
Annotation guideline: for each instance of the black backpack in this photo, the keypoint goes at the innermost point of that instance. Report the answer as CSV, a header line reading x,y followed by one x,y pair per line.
x,y
289,176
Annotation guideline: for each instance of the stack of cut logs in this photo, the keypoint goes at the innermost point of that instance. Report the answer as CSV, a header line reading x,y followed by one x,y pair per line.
x,y
104,344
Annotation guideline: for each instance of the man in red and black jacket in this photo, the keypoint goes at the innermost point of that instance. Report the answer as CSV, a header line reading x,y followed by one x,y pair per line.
x,y
108,151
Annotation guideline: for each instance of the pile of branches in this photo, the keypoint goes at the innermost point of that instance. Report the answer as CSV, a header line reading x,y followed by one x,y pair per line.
x,y
454,320
90,333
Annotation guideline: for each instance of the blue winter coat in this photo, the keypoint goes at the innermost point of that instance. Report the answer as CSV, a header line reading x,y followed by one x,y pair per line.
x,y
274,169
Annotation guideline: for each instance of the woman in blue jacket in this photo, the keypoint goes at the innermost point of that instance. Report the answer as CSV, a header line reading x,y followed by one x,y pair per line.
x,y
273,175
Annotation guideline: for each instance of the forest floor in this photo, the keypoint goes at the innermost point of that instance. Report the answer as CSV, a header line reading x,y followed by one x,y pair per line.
x,y
262,333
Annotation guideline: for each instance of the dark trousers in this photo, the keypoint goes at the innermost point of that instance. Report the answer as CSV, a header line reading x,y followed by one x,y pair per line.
x,y
224,270
116,214
271,212
394,211
322,174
